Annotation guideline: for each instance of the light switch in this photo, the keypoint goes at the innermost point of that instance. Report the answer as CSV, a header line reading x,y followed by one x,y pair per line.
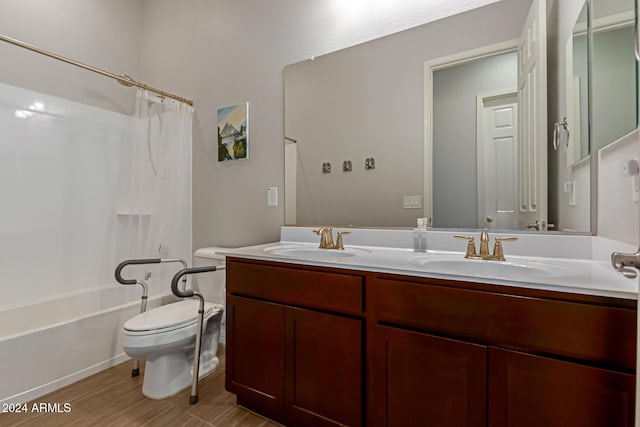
x,y
272,196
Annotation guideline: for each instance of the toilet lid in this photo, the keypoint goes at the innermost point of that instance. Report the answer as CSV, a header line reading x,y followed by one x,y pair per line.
x,y
177,314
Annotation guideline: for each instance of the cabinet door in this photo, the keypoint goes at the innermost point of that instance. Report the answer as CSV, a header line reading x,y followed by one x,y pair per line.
x,y
324,369
423,380
527,390
255,354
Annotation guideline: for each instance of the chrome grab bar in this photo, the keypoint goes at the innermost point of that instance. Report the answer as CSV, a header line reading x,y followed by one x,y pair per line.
x,y
187,293
135,371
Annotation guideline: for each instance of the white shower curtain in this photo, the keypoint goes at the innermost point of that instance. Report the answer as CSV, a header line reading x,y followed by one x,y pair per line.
x,y
154,206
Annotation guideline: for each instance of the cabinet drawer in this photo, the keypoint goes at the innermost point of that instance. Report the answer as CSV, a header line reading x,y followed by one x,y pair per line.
x,y
310,288
589,332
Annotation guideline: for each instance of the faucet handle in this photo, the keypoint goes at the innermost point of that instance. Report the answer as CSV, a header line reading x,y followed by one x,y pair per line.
x,y
498,252
471,246
339,242
459,236
506,239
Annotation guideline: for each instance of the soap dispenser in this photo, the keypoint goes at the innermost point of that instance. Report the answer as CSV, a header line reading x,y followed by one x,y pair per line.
x,y
420,236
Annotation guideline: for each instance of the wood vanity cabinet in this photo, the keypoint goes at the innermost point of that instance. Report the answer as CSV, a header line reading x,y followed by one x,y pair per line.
x,y
302,350
461,354
295,343
529,390
424,380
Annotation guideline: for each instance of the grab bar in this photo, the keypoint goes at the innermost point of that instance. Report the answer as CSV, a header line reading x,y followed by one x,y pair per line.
x,y
135,371
187,293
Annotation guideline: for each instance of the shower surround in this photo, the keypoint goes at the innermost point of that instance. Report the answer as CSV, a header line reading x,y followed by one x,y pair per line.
x,y
82,188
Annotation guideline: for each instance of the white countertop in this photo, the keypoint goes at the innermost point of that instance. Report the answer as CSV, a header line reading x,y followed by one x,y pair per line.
x,y
574,275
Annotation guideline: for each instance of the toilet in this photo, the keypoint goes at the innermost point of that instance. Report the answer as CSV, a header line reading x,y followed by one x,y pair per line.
x,y
165,336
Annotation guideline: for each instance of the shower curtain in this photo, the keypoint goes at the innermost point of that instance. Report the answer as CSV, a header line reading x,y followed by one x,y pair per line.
x,y
154,207
83,188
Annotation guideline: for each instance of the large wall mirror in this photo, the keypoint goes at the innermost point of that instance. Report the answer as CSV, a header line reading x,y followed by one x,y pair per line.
x,y
365,147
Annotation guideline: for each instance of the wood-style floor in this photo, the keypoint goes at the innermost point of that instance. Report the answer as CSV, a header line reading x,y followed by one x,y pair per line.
x,y
113,398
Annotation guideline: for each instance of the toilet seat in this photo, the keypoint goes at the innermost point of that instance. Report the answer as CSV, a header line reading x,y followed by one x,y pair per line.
x,y
169,317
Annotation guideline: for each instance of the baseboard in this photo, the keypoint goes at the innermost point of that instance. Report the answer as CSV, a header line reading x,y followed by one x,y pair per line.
x,y
39,391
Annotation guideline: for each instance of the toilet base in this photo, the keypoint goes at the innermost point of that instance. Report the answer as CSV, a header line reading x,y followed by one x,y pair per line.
x,y
172,373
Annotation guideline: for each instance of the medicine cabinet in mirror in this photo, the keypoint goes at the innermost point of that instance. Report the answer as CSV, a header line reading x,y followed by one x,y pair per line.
x,y
608,39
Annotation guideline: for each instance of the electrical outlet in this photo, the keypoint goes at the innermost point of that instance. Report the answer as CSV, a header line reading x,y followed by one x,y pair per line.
x,y
412,202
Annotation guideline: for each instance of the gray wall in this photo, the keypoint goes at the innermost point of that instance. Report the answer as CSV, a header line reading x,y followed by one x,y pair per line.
x,y
455,174
361,102
101,33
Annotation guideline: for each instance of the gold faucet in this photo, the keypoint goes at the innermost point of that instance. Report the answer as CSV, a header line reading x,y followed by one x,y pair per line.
x,y
498,252
326,238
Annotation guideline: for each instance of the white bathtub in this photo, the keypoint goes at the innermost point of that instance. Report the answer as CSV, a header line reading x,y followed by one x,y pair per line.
x,y
50,344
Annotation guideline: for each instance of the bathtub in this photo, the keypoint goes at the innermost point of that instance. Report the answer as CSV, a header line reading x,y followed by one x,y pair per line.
x,y
49,344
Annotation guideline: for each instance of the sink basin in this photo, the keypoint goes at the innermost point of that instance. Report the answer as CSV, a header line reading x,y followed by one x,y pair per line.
x,y
517,270
313,252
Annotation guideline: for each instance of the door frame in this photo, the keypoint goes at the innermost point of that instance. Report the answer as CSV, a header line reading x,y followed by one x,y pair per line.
x,y
430,67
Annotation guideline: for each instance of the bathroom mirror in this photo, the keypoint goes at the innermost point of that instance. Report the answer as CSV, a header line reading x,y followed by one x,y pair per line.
x,y
367,103
614,71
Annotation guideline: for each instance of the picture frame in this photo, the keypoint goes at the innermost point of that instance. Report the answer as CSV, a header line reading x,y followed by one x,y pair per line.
x,y
233,132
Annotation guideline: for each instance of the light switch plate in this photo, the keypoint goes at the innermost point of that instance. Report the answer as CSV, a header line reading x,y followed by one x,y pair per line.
x,y
272,196
570,189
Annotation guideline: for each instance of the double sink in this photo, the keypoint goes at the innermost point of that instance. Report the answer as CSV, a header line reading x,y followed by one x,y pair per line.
x,y
516,268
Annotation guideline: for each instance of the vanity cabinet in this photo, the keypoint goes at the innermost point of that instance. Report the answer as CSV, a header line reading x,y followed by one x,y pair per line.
x,y
425,380
529,391
255,354
295,343
461,354
319,346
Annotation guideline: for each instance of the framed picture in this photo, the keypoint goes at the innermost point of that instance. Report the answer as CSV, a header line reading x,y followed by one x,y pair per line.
x,y
233,132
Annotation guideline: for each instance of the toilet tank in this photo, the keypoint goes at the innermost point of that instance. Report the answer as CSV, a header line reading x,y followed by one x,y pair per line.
x,y
210,285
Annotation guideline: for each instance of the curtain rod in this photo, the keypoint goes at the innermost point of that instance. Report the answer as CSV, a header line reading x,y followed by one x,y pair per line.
x,y
123,79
